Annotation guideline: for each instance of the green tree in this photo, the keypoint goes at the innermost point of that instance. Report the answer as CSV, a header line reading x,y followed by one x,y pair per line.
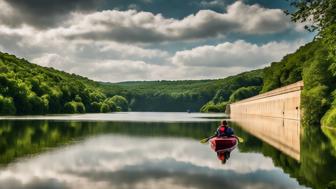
x,y
212,107
244,92
7,106
105,108
78,98
316,93
95,107
39,106
120,102
70,107
320,14
80,107
112,107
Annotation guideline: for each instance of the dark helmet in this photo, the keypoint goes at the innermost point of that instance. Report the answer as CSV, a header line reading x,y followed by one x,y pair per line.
x,y
224,122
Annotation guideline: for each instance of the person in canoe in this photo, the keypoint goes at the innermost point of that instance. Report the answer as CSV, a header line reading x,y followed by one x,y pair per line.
x,y
224,130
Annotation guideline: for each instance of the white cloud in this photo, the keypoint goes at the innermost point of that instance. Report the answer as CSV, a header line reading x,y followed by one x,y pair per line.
x,y
53,60
236,54
119,62
108,69
146,27
126,50
121,70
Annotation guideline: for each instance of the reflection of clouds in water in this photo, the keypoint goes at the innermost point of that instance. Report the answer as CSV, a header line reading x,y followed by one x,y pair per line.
x,y
35,183
123,162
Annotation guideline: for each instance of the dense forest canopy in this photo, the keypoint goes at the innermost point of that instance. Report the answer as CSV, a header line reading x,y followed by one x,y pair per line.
x,y
26,88
185,95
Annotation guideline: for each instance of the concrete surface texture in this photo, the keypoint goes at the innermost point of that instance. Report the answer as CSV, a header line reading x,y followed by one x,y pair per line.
x,y
283,103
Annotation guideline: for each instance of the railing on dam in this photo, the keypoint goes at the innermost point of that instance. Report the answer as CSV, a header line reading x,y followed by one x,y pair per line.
x,y
283,103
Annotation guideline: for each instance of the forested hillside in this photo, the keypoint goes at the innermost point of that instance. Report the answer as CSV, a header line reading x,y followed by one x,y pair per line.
x,y
184,95
311,64
308,63
26,88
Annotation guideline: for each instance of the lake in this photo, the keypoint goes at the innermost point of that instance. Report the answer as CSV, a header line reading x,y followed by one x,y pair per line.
x,y
159,150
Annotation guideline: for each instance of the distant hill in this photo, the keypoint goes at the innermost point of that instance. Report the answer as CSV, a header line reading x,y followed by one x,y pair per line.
x,y
182,95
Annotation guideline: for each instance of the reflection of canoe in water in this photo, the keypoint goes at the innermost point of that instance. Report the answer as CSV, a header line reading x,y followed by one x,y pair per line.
x,y
223,143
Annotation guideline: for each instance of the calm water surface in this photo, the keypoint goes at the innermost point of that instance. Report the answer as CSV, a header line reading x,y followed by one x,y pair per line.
x,y
159,150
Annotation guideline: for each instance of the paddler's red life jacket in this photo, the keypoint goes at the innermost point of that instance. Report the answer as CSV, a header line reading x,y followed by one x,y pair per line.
x,y
221,130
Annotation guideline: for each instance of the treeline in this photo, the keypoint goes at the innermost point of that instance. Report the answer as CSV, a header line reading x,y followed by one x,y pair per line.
x,y
166,96
235,88
26,89
189,95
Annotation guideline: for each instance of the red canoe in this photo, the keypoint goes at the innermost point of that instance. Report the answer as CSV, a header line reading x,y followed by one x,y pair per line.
x,y
223,143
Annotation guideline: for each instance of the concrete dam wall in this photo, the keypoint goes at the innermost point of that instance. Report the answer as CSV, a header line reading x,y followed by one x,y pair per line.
x,y
283,103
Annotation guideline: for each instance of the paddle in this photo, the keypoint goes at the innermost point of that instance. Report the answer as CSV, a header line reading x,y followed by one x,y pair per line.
x,y
205,140
241,140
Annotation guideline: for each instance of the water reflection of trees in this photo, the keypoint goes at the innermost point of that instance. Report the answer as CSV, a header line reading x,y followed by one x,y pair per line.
x,y
21,138
317,164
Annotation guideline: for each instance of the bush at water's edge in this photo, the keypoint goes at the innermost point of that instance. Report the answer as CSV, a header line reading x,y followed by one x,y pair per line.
x,y
331,134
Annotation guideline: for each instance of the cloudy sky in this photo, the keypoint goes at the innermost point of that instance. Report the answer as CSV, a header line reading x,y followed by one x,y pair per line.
x,y
121,40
